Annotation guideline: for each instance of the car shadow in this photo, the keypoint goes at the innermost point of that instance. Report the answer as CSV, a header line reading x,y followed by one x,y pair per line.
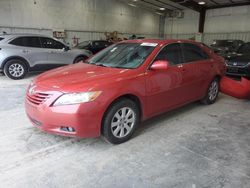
x,y
157,121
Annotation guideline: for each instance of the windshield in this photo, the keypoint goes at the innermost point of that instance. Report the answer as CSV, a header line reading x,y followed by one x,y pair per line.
x,y
82,44
222,43
244,49
123,55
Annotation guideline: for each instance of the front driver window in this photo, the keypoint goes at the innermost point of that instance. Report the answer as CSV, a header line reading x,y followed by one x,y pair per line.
x,y
171,53
51,43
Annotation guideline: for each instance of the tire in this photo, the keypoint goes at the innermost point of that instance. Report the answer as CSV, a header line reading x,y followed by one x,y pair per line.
x,y
120,121
81,58
15,69
212,92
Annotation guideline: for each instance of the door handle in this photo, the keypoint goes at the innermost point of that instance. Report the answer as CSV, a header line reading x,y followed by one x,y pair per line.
x,y
25,51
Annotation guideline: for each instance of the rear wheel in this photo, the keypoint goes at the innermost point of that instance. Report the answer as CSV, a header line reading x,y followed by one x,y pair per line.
x,y
79,59
120,121
15,69
212,92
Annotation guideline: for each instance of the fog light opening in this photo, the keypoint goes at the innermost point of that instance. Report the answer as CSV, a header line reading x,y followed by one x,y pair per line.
x,y
68,129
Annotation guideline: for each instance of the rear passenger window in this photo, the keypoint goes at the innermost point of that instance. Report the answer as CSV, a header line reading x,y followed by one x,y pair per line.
x,y
171,53
193,52
27,42
1,38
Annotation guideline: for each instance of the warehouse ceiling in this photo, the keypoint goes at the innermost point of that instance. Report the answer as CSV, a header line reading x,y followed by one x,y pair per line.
x,y
162,6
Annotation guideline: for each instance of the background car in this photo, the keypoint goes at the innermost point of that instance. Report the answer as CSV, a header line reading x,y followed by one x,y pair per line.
x,y
113,91
22,53
223,47
238,64
94,45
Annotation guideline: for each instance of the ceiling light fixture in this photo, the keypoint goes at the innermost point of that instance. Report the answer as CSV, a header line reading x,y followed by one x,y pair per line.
x,y
130,4
161,8
201,2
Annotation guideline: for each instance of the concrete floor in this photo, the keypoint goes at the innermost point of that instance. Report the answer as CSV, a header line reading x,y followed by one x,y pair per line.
x,y
192,147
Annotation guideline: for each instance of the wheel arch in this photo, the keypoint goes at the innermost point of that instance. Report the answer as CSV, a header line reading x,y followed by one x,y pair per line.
x,y
129,96
81,55
16,57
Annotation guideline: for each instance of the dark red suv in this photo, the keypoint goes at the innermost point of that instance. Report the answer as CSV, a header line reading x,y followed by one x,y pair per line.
x,y
124,84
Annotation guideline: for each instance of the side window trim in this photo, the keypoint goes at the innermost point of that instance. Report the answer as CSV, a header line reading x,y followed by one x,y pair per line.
x,y
181,51
23,45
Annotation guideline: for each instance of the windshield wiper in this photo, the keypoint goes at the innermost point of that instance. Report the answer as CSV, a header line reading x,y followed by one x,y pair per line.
x,y
100,64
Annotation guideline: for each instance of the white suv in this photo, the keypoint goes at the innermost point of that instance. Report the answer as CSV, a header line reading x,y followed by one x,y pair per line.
x,y
22,53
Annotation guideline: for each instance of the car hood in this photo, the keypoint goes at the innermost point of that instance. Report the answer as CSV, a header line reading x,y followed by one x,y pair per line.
x,y
77,51
240,58
79,77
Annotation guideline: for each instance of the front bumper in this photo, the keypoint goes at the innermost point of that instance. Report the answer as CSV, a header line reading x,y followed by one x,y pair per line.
x,y
84,118
238,71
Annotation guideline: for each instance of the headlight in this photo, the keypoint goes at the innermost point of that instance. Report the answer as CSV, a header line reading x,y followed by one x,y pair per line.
x,y
76,98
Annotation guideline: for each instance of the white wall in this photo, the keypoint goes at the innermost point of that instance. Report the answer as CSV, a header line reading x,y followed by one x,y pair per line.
x,y
233,19
183,27
83,18
224,23
227,23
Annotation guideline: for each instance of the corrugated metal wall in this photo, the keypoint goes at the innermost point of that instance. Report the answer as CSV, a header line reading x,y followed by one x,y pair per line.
x,y
180,36
209,37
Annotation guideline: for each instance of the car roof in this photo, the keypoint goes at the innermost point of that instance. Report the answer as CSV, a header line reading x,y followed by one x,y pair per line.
x,y
160,41
21,34
8,37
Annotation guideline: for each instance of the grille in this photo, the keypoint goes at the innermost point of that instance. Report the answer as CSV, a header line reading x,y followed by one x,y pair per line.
x,y
237,64
38,98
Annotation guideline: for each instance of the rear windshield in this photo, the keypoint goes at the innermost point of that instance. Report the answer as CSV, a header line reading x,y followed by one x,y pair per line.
x,y
222,43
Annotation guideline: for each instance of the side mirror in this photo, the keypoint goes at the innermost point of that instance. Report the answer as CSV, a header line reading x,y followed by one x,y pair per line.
x,y
160,65
66,48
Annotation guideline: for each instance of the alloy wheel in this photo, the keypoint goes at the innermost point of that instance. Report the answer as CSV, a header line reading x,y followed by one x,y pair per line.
x,y
123,122
213,90
16,70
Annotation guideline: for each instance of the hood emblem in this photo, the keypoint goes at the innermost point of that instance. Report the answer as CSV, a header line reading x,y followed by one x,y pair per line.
x,y
32,90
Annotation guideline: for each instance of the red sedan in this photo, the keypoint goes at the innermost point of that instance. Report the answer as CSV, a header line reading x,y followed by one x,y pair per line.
x,y
124,84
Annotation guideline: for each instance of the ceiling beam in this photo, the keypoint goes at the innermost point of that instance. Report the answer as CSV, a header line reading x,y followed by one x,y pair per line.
x,y
229,5
164,3
189,4
155,5
214,2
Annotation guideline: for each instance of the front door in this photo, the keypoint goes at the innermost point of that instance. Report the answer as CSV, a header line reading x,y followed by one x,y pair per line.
x,y
55,52
164,87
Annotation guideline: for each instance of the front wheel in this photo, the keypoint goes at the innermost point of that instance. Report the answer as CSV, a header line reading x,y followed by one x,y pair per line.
x,y
212,92
120,121
15,69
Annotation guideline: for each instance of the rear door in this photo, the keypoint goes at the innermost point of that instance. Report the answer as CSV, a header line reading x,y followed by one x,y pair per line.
x,y
164,87
196,70
30,48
